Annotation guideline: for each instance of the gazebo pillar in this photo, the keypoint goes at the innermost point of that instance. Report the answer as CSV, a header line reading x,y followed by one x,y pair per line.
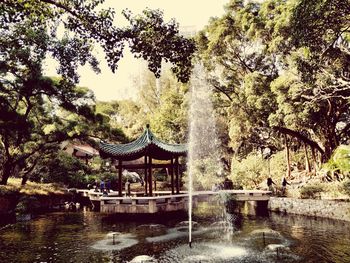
x,y
150,175
146,178
177,174
120,187
172,176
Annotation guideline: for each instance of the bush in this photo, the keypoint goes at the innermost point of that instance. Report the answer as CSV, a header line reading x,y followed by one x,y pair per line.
x,y
27,204
62,168
311,191
249,172
339,161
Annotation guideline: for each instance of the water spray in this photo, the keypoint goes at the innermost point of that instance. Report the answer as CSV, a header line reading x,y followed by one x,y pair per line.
x,y
114,238
264,238
203,144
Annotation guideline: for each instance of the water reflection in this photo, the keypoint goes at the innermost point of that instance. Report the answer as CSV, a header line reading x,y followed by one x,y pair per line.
x,y
88,237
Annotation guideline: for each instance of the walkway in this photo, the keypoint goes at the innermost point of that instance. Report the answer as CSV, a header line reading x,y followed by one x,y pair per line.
x,y
164,201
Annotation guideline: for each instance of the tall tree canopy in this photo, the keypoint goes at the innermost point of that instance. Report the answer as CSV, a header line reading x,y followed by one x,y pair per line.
x,y
282,66
148,35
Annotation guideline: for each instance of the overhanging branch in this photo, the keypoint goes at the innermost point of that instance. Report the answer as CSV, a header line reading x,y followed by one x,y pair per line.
x,y
299,136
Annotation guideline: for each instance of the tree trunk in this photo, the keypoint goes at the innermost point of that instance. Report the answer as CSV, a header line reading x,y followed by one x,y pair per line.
x,y
300,137
307,161
329,147
320,159
329,130
4,180
24,179
6,173
315,166
287,156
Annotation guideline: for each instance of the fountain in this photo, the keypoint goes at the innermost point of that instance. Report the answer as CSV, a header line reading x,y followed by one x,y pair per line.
x,y
115,241
203,155
220,236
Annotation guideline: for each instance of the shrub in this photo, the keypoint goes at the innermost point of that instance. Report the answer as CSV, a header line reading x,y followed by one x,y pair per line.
x,y
340,161
27,204
311,191
249,172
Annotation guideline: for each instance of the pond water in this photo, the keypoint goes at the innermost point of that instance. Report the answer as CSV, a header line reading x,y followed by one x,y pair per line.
x,y
86,236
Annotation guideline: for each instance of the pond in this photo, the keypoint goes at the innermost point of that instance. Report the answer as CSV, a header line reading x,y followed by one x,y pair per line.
x,y
87,236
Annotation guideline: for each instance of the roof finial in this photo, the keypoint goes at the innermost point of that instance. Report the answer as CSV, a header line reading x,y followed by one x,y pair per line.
x,y
147,126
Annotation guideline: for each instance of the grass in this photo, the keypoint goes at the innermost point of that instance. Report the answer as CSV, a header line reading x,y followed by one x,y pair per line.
x,y
30,188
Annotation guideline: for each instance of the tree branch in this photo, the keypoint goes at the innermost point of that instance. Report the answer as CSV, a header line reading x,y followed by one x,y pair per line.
x,y
222,91
300,137
61,6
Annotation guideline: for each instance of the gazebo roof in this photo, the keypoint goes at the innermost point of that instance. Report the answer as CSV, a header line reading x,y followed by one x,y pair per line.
x,y
148,144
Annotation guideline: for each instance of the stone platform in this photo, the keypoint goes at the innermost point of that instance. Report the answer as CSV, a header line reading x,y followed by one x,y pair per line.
x,y
164,201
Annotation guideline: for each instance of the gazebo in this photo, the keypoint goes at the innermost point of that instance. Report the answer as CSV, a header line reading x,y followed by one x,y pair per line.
x,y
148,148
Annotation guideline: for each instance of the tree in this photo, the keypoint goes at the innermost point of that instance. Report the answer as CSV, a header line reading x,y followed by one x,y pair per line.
x,y
314,91
37,112
148,35
63,168
131,118
241,72
283,69
162,103
169,118
250,171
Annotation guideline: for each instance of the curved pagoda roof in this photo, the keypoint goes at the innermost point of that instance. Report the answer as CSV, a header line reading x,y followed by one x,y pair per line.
x,y
146,144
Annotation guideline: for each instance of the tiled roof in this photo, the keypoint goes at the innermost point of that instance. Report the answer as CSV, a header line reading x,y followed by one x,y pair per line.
x,y
148,144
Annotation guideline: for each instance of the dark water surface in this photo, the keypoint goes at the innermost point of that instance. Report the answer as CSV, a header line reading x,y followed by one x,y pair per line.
x,y
86,236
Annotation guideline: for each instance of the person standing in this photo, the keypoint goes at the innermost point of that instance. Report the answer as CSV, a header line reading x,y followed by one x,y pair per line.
x,y
95,185
127,188
269,185
102,185
108,185
284,185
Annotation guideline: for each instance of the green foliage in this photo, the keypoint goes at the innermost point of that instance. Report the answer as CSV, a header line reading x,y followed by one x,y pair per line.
x,y
162,103
205,173
317,37
339,161
311,191
281,64
169,120
152,39
250,171
27,204
85,26
96,176
36,112
63,168
278,166
241,71
131,118
14,187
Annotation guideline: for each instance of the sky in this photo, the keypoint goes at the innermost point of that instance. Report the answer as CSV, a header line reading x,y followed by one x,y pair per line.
x,y
108,86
